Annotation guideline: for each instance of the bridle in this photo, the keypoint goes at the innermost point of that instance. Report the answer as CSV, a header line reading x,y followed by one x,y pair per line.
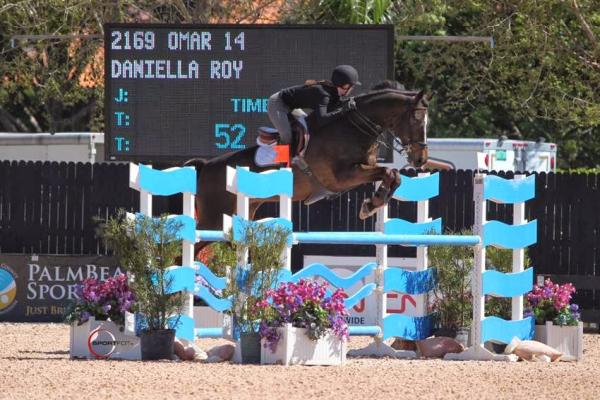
x,y
367,127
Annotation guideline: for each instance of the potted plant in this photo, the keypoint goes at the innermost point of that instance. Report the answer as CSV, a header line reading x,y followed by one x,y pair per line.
x,y
452,299
249,281
98,301
302,325
557,320
146,248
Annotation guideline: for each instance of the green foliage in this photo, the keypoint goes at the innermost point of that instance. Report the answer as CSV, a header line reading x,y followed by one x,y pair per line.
x,y
579,171
452,296
342,11
247,284
538,80
146,248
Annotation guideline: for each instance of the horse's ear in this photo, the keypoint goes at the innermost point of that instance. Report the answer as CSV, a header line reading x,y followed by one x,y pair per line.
x,y
424,97
419,96
430,96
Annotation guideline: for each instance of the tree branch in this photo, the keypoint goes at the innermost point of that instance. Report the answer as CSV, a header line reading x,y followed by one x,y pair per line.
x,y
586,27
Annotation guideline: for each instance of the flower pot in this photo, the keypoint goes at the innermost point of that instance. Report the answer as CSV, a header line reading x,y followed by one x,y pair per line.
x,y
250,347
463,336
97,339
79,333
295,347
158,344
566,339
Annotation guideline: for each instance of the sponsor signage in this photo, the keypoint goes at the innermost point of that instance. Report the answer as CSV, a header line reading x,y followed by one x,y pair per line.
x,y
39,288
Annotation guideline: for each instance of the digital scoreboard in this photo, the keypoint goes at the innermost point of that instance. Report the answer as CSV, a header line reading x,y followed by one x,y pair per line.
x,y
175,92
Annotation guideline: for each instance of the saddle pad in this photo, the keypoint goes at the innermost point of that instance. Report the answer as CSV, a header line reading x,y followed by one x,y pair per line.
x,y
265,156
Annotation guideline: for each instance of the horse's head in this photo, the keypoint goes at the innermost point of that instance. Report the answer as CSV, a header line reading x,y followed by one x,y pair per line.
x,y
404,114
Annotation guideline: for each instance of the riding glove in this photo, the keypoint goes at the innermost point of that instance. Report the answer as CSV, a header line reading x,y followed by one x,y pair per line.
x,y
349,105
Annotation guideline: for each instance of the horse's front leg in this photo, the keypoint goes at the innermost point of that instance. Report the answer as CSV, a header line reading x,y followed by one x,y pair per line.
x,y
390,180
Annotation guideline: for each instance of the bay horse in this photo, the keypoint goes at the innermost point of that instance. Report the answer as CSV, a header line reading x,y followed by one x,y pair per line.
x,y
341,155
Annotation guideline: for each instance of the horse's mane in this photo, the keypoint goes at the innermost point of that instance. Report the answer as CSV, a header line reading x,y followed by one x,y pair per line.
x,y
387,87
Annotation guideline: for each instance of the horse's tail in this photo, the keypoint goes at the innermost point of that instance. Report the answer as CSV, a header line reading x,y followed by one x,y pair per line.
x,y
197,163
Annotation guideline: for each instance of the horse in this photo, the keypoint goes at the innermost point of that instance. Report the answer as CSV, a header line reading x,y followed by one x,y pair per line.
x,y
341,155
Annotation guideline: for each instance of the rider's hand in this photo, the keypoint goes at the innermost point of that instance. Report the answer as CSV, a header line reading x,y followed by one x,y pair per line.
x,y
350,105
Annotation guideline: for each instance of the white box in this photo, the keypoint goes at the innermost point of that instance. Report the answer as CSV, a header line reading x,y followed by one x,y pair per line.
x,y
566,339
103,340
295,347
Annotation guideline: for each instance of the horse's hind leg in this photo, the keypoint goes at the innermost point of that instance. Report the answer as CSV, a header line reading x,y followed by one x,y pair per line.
x,y
389,184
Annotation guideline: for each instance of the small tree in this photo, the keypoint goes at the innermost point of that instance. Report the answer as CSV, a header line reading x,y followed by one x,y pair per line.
x,y
248,283
146,248
453,301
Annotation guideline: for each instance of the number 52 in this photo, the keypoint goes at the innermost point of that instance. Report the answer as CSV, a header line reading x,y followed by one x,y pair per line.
x,y
225,132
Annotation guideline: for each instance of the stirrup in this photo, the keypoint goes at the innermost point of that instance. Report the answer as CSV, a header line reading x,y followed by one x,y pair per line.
x,y
301,163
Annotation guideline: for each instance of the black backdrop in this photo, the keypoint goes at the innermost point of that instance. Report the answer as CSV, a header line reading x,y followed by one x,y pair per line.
x,y
181,91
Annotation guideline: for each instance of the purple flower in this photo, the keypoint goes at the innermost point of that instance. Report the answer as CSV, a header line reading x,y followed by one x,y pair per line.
x,y
305,305
85,316
574,307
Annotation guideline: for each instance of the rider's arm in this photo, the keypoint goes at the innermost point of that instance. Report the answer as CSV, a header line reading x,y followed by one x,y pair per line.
x,y
322,117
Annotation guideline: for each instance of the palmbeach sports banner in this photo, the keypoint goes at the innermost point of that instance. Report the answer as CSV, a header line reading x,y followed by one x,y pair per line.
x,y
39,288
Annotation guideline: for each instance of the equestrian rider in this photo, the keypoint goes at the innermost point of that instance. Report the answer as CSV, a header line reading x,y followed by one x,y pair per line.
x,y
323,97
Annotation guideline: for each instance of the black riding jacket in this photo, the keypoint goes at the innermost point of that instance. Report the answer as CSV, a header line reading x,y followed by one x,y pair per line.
x,y
322,99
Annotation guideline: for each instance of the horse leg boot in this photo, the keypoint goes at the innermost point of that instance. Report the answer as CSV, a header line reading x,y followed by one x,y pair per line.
x,y
389,184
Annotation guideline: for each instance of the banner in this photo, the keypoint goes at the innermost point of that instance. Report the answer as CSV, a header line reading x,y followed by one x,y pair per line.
x,y
39,288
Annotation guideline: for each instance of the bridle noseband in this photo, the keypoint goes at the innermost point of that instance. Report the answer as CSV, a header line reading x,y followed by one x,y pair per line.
x,y
367,127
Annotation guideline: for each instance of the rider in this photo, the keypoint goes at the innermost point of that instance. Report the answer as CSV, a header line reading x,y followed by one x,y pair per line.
x,y
323,97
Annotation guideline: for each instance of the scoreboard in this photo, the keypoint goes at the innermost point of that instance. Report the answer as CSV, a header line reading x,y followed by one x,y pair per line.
x,y
175,92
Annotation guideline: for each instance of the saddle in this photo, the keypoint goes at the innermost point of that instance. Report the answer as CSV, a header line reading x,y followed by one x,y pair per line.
x,y
268,136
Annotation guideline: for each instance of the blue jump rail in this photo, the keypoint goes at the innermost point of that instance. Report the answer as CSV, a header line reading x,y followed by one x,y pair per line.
x,y
366,238
381,238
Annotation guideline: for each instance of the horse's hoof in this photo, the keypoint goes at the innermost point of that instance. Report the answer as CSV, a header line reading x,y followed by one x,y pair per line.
x,y
366,210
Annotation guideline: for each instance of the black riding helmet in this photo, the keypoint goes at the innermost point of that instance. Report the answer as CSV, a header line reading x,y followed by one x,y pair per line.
x,y
344,74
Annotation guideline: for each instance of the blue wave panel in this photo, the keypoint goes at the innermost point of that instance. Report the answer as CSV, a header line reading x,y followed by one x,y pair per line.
x,y
265,184
184,326
494,328
215,332
214,302
239,226
214,281
508,191
418,188
363,292
411,282
182,278
404,326
508,236
507,284
402,227
188,226
169,181
317,269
